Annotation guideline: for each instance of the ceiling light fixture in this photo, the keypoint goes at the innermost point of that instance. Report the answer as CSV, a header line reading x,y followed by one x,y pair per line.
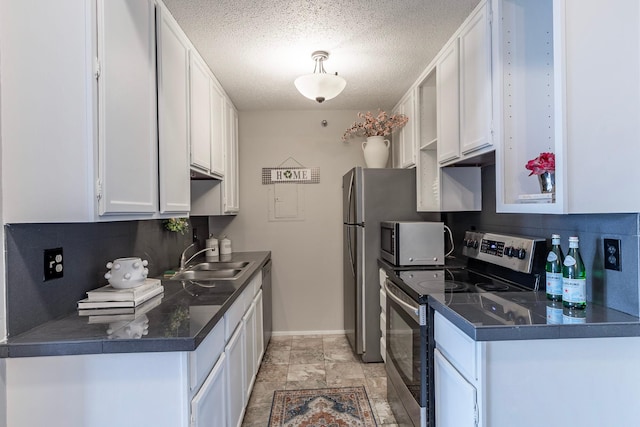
x,y
320,86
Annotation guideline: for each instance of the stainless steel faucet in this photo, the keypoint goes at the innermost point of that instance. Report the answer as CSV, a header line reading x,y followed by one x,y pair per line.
x,y
183,262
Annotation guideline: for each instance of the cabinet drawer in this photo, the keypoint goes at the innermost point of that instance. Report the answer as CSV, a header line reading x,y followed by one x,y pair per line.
x,y
255,285
234,315
457,347
204,357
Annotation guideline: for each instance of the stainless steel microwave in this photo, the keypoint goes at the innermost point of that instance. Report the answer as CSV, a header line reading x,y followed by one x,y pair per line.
x,y
407,243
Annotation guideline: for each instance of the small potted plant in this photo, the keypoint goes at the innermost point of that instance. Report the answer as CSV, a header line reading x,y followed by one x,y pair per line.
x,y
544,166
177,225
375,128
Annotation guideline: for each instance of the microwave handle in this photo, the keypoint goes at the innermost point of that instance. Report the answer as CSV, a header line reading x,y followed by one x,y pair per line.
x,y
413,308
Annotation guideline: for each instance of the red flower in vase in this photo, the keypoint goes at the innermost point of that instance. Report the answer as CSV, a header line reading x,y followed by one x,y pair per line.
x,y
545,162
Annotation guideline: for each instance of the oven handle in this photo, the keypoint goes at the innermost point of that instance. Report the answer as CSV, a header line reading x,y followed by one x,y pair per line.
x,y
415,308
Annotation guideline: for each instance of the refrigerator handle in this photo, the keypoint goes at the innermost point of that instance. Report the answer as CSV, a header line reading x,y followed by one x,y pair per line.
x,y
353,264
350,199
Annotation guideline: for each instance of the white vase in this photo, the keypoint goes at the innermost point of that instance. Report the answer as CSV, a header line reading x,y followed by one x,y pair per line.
x,y
376,151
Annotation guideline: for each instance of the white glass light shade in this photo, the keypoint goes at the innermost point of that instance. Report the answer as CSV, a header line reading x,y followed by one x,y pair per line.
x,y
320,86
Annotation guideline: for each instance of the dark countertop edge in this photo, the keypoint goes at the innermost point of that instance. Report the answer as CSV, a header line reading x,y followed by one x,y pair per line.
x,y
535,332
106,346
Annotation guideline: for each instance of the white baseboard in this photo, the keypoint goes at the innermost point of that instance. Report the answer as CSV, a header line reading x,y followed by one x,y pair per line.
x,y
290,333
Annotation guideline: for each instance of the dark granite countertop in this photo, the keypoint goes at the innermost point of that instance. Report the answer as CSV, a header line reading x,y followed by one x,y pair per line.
x,y
180,322
499,316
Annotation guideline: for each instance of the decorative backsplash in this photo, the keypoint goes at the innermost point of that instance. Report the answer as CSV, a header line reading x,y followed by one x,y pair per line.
x,y
87,248
615,289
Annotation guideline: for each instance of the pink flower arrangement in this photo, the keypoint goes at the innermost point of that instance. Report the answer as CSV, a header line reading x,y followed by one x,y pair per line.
x,y
545,162
380,125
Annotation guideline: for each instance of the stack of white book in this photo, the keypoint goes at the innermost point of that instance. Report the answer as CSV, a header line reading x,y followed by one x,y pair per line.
x,y
108,300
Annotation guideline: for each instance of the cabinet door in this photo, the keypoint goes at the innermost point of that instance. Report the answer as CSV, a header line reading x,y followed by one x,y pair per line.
x,y
127,114
218,132
448,103
231,195
209,405
259,348
235,368
407,137
173,119
249,321
200,117
475,83
455,397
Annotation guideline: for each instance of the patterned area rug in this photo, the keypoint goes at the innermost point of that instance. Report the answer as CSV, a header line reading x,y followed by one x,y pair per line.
x,y
325,407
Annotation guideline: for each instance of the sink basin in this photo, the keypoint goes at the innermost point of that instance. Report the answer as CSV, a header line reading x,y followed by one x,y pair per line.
x,y
221,274
219,265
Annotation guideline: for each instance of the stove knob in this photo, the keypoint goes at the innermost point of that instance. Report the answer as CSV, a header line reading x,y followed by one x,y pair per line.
x,y
465,242
508,251
521,253
475,244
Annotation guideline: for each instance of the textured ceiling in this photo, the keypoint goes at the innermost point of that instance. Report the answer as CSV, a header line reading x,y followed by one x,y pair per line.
x,y
256,49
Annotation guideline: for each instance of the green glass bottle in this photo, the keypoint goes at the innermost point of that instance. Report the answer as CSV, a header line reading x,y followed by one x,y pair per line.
x,y
553,267
574,278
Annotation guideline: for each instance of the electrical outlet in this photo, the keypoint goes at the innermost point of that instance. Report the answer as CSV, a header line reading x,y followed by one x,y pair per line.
x,y
612,254
53,268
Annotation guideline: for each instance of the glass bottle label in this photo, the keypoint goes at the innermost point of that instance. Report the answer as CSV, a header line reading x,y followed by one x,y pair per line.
x,y
554,315
554,283
569,261
574,290
552,257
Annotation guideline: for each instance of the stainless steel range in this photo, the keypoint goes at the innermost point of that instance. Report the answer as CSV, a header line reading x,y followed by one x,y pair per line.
x,y
495,269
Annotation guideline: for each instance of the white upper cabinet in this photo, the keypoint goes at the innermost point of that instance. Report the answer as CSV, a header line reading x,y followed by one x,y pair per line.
x,y
475,82
570,76
465,90
201,113
173,119
405,137
127,123
79,140
231,190
448,102
218,129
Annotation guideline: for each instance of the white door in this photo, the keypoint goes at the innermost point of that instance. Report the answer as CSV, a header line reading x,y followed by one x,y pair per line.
x,y
448,104
259,349
200,117
249,321
173,119
475,83
235,353
209,405
231,177
455,397
127,114
218,130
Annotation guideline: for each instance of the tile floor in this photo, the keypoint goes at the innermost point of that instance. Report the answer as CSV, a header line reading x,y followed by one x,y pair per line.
x,y
315,361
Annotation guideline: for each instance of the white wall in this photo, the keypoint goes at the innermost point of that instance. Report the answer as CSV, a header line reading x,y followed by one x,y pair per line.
x,y
307,255
3,292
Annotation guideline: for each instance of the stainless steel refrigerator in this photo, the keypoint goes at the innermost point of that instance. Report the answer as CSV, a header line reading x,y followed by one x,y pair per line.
x,y
370,196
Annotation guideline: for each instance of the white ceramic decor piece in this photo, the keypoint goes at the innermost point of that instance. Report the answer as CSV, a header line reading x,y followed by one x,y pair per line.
x,y
127,273
376,151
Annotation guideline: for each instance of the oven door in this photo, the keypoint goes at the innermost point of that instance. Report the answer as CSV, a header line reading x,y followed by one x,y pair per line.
x,y
388,249
406,363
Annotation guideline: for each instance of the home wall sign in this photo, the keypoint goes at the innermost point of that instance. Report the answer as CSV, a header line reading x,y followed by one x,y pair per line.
x,y
290,175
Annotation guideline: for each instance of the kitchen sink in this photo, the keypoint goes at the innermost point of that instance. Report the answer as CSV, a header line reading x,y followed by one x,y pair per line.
x,y
219,265
220,274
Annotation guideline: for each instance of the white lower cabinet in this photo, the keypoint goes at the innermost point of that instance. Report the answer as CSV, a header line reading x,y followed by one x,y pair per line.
x,y
208,387
496,383
209,405
235,352
456,402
